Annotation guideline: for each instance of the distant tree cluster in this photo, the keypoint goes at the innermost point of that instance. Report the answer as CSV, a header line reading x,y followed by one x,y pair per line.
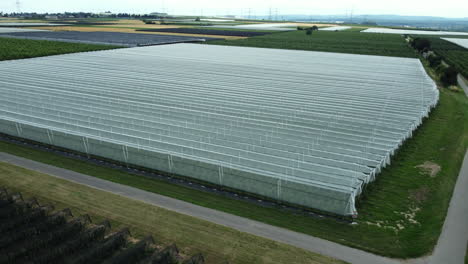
x,y
83,15
309,30
421,44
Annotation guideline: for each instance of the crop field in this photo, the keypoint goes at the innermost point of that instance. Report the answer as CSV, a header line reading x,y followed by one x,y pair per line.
x,y
459,41
383,226
35,233
235,33
23,48
233,131
382,30
131,29
105,38
13,30
344,42
217,243
452,53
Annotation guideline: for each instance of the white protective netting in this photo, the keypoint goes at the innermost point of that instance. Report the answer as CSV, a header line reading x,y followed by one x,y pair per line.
x,y
309,128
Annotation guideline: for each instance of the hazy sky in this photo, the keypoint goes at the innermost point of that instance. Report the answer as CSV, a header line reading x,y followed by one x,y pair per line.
x,y
447,8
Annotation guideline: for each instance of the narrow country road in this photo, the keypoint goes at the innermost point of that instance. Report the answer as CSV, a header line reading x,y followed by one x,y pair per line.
x,y
462,83
451,247
455,228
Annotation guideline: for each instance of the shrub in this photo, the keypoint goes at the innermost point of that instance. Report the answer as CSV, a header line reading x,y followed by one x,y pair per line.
x,y
449,76
197,19
434,60
420,44
315,27
309,31
300,28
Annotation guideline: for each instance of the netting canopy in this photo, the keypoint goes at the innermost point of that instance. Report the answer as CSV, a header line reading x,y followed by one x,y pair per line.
x,y
308,128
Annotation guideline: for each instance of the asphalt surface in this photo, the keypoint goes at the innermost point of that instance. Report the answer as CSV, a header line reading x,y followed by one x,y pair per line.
x,y
303,241
107,38
450,248
463,84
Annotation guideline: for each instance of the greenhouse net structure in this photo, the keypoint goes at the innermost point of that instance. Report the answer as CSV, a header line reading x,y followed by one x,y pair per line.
x,y
307,128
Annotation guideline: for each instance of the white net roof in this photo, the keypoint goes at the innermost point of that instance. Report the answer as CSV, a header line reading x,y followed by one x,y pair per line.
x,y
311,127
460,42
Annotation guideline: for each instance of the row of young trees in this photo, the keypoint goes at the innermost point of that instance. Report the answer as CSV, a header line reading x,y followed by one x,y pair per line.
x,y
448,74
31,233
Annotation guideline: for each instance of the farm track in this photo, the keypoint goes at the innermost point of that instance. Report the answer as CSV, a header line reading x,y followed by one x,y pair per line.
x,y
303,241
455,232
450,247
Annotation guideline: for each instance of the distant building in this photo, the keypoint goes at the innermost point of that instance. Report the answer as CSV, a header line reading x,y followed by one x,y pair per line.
x,y
51,17
158,14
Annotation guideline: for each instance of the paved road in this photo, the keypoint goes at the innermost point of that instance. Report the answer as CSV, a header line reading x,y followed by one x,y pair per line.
x,y
450,248
463,83
303,241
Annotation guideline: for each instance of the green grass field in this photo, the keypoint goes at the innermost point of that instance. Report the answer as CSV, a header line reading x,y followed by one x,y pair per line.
x,y
401,214
344,42
12,49
217,243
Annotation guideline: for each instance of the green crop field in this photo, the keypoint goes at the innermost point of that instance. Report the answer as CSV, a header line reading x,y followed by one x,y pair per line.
x,y
343,41
12,49
401,213
452,54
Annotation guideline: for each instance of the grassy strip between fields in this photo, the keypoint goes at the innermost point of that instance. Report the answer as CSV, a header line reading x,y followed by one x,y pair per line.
x,y
401,214
12,49
216,242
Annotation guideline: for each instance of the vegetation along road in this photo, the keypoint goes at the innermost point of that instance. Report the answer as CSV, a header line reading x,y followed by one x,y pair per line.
x,y
217,243
242,224
450,247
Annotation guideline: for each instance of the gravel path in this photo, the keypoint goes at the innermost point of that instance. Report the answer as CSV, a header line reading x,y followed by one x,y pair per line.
x,y
450,247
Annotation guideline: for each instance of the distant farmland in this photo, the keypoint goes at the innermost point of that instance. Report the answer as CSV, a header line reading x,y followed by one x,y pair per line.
x,y
24,48
343,42
214,32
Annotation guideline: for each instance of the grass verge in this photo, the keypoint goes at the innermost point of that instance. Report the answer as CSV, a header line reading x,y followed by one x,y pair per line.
x,y
466,255
401,213
348,41
216,242
12,49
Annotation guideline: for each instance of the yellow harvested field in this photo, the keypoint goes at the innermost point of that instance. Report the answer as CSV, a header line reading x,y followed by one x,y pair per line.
x,y
142,26
124,21
318,25
130,30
